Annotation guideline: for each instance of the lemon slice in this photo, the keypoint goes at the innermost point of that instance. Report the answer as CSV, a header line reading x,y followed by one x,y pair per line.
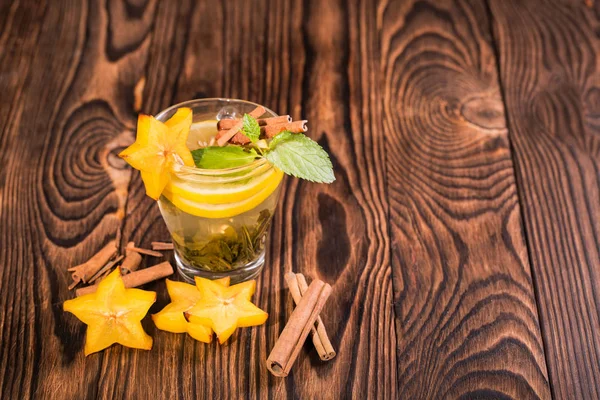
x,y
202,131
219,193
225,210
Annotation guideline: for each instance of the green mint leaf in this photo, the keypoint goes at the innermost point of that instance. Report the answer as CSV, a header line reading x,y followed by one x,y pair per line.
x,y
216,157
251,129
299,156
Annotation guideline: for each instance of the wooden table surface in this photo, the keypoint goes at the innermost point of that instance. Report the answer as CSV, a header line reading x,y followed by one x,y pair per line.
x,y
461,237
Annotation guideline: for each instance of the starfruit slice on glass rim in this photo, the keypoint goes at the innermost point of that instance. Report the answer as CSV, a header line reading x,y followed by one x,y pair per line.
x,y
158,146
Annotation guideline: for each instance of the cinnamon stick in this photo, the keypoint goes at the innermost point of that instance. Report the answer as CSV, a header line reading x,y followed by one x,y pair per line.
x,y
131,247
269,131
128,248
239,138
224,136
281,119
104,275
83,272
273,130
136,278
131,262
104,270
162,246
298,286
228,123
298,327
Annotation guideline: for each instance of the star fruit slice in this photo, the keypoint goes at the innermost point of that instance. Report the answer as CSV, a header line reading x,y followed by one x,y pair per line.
x,y
157,147
225,309
183,297
113,315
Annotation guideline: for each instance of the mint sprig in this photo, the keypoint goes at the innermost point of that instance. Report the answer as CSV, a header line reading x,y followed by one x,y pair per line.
x,y
215,157
299,156
251,129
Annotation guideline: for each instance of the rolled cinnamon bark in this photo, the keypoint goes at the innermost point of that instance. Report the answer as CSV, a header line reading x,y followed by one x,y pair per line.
x,y
297,285
131,262
298,327
229,123
273,130
136,278
131,247
319,332
83,272
224,136
105,270
162,246
239,138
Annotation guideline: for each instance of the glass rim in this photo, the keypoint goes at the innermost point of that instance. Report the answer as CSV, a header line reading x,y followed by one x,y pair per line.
x,y
222,171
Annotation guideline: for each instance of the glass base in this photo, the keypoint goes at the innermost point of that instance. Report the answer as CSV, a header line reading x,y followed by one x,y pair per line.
x,y
247,272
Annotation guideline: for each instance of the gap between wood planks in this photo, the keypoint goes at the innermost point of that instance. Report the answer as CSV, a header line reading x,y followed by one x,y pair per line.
x,y
518,184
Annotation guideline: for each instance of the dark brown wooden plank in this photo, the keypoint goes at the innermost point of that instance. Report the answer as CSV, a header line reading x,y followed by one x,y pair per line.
x,y
466,318
549,70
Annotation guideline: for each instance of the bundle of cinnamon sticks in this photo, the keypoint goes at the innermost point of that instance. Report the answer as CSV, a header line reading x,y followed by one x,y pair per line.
x,y
304,320
106,259
229,129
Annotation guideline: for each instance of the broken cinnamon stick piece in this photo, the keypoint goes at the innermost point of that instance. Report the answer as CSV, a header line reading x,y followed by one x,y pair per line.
x,y
240,138
128,247
131,262
224,136
319,332
74,283
136,278
162,246
107,268
225,124
83,272
298,327
271,131
104,275
147,252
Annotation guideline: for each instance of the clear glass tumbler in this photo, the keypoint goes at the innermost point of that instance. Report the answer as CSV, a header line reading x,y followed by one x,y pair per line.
x,y
219,218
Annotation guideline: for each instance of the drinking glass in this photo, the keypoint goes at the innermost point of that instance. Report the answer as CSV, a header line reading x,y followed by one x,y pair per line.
x,y
219,218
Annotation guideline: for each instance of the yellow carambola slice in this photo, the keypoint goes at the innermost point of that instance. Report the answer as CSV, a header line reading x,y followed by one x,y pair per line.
x,y
157,147
225,309
113,314
183,297
225,209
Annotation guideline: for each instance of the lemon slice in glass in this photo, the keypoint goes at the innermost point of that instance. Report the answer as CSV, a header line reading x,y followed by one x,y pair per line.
x,y
219,193
187,203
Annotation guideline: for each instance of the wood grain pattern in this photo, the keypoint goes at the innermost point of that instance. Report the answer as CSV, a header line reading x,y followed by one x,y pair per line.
x,y
420,235
549,68
466,318
58,205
